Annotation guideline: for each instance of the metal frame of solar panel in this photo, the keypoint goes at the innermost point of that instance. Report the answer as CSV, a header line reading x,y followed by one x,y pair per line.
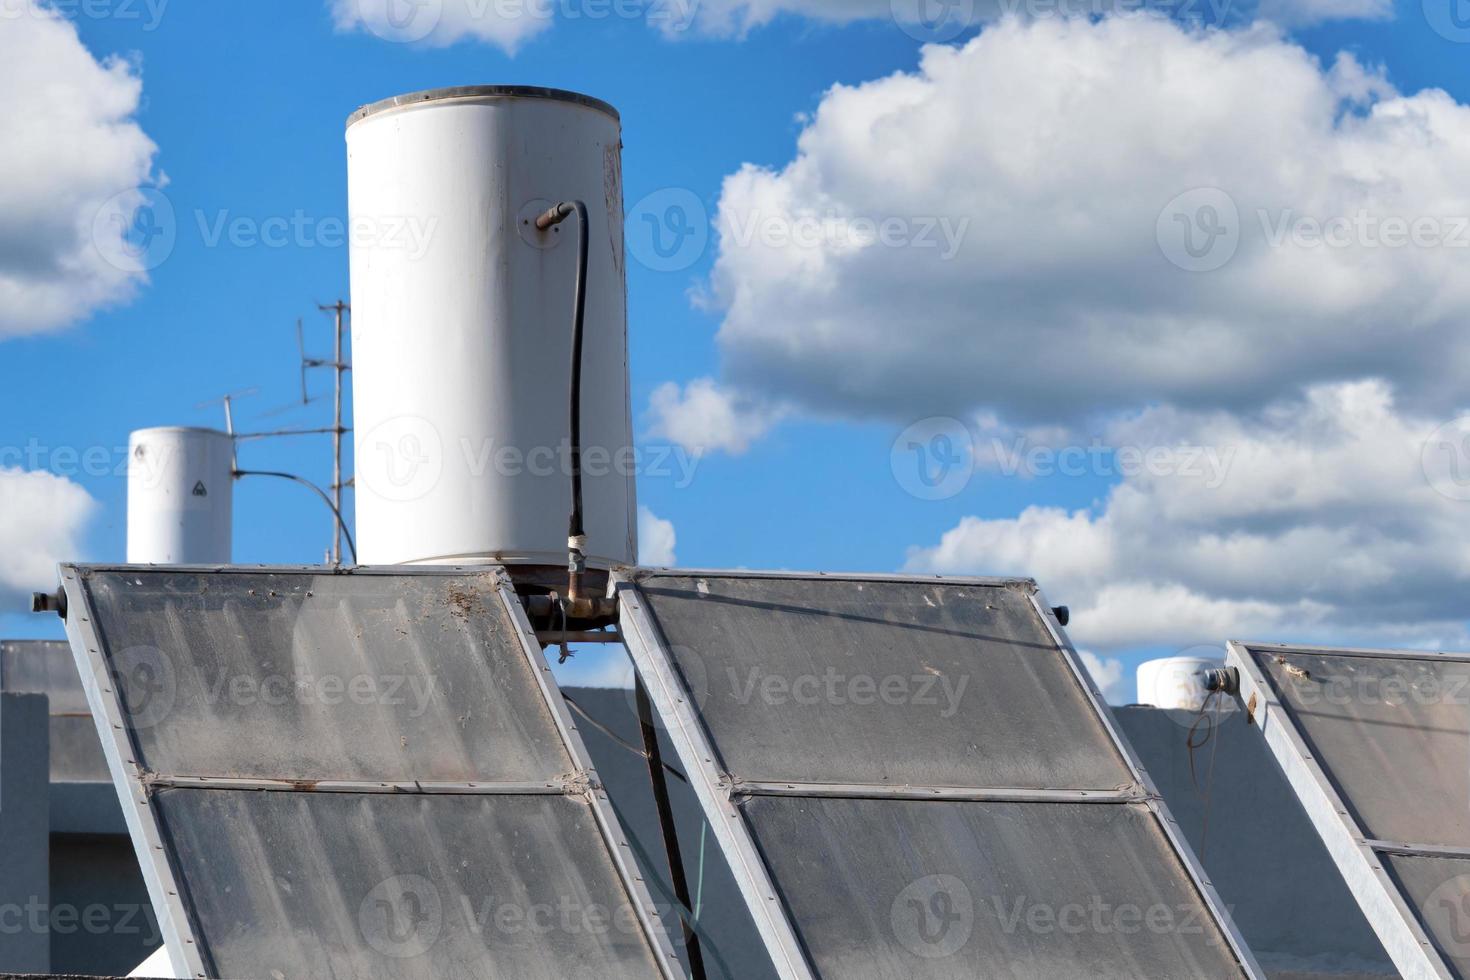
x,y
1374,741
993,832
190,825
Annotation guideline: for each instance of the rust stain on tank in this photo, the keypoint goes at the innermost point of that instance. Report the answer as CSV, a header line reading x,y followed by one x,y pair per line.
x,y
612,189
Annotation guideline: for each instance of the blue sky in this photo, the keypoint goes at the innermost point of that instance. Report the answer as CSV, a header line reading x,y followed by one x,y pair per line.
x,y
246,103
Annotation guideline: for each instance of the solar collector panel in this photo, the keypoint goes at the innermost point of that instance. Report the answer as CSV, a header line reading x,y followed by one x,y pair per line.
x,y
325,677
832,809
404,885
1375,744
1387,729
923,890
274,781
921,679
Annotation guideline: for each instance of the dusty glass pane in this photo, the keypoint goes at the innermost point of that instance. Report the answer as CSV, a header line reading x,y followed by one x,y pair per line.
x,y
919,890
927,684
305,676
1438,891
1393,734
341,885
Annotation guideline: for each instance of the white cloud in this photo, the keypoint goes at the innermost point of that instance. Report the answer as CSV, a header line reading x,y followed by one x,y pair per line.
x,y
506,24
930,21
43,520
71,147
707,417
1107,674
1338,518
1045,158
656,539
1296,13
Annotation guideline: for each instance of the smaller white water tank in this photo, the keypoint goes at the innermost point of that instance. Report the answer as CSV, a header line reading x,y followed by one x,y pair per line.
x,y
180,496
1176,682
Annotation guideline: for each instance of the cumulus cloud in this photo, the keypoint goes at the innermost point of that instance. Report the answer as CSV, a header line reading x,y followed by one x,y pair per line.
x,y
705,416
75,158
1064,219
1107,674
44,517
930,21
506,24
1303,12
656,539
1339,518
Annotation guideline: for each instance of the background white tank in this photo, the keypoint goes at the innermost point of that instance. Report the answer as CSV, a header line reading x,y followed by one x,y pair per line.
x,y
180,496
461,328
1177,682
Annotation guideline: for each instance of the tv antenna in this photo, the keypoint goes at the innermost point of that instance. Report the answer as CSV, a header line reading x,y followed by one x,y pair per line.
x,y
339,365
339,368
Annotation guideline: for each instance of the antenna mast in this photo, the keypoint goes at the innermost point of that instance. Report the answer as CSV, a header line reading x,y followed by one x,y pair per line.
x,y
339,368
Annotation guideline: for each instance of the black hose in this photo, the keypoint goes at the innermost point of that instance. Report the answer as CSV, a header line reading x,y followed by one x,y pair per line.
x,y
351,546
555,216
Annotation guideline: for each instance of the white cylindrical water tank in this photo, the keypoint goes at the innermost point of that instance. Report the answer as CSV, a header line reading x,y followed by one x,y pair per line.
x,y
1176,682
180,496
462,328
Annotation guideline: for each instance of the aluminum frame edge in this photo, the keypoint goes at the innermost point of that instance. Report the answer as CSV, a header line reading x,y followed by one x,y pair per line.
x,y
1383,903
613,833
154,858
646,645
1155,802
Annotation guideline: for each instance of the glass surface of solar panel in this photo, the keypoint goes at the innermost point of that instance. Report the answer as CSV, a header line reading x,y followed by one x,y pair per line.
x,y
1387,730
325,677
917,683
426,887
1438,889
1376,743
919,890
362,774
903,765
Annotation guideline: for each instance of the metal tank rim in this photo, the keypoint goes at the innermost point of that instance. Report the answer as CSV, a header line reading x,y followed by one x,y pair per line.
x,y
205,430
473,93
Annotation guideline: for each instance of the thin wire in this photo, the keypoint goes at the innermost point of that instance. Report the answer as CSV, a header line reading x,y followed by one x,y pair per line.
x,y
560,607
699,886
706,941
618,739
351,546
1211,735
